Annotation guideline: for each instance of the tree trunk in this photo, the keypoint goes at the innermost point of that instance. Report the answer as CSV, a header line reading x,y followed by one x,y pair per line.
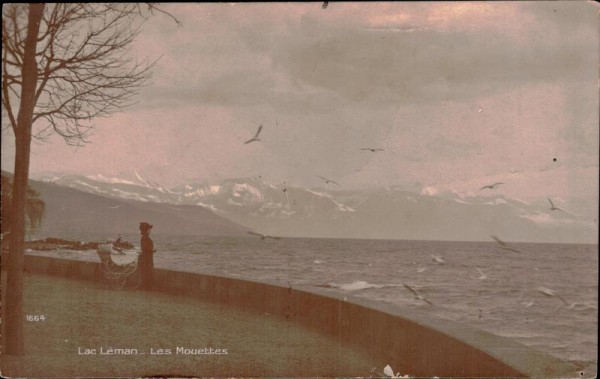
x,y
13,306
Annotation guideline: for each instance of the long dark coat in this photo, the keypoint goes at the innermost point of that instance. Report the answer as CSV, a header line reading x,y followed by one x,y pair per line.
x,y
146,261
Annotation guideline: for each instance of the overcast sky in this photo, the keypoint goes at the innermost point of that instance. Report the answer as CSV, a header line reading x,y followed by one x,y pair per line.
x,y
457,94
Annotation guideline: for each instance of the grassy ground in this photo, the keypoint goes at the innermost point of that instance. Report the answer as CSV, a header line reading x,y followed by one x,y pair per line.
x,y
81,315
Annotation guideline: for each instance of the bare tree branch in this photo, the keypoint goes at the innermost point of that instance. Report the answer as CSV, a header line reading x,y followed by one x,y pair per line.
x,y
85,67
152,8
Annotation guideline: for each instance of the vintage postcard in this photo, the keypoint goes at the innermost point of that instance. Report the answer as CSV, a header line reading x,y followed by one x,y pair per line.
x,y
317,189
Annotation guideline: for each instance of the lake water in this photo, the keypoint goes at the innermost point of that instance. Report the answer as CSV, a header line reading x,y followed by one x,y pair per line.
x,y
475,283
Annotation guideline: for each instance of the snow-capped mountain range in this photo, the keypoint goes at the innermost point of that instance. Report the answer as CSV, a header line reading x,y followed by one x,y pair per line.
x,y
388,213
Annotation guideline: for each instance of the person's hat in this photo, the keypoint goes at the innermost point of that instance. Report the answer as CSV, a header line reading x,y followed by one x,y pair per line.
x,y
145,226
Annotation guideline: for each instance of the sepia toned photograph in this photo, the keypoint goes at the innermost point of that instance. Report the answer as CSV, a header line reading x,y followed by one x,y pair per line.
x,y
316,189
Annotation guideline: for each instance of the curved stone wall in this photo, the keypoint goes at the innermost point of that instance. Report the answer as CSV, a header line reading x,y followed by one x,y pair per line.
x,y
410,342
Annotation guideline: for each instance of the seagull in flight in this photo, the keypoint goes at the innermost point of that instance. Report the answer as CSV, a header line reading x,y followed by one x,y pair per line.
x,y
491,186
482,275
255,138
372,149
504,245
438,259
327,181
418,296
552,207
263,236
551,293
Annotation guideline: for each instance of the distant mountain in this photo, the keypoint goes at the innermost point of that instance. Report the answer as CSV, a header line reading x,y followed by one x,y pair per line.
x,y
70,211
387,213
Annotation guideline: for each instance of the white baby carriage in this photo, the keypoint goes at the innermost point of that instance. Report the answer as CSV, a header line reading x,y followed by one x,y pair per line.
x,y
118,267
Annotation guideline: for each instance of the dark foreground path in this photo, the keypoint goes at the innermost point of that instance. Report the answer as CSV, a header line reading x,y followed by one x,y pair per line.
x,y
80,317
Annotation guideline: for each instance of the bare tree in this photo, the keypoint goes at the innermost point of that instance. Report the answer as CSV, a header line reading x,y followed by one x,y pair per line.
x,y
62,66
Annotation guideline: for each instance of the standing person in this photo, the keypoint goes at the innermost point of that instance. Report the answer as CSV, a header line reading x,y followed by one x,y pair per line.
x,y
146,260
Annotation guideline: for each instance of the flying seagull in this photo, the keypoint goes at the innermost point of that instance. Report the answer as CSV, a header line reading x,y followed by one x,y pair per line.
x,y
371,149
418,296
438,259
491,186
482,275
551,293
255,138
262,236
552,207
327,181
504,245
